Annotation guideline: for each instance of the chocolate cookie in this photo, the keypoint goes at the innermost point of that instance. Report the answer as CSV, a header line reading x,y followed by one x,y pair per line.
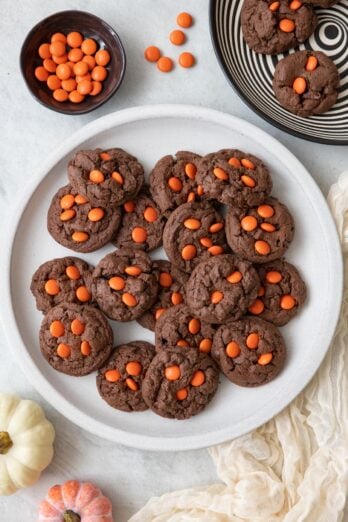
x,y
249,352
234,178
124,285
173,180
75,339
178,327
260,234
77,224
193,233
222,288
274,27
321,3
171,291
306,83
282,292
180,383
119,381
142,224
67,279
106,178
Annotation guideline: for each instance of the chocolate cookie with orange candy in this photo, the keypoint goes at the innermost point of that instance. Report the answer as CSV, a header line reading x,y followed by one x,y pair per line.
x,y
171,291
120,380
177,326
282,292
142,223
62,280
75,339
77,224
173,180
106,177
180,383
234,177
260,233
124,285
193,233
306,83
222,288
272,27
249,352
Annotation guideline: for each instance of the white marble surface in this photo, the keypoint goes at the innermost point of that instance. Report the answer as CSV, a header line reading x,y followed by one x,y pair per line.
x,y
30,132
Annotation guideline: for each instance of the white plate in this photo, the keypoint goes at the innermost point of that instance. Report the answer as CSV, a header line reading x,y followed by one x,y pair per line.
x,y
149,133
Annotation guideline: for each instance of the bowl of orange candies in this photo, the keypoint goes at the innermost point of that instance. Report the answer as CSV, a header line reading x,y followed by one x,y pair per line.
x,y
72,62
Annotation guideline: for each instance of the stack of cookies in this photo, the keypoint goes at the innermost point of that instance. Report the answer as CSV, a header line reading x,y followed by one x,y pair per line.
x,y
305,82
214,304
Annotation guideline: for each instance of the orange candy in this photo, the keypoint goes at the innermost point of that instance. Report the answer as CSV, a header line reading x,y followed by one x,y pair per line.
x,y
77,327
265,211
76,97
192,223
216,227
74,39
96,176
75,55
96,88
63,350
58,37
116,176
79,236
233,349
152,53
49,65
286,25
81,68
112,375
235,162
165,280
90,61
262,247
248,164
182,394
99,73
234,277
96,214
57,329
220,174
102,57
83,294
311,64
216,250
182,343
186,60
84,87
132,385
129,299
172,373
252,341
175,184
198,378
60,59
287,302
295,4
117,283
61,95
41,74
184,20
176,298
44,51
205,345
274,277
299,85
67,214
133,271
206,242
134,368
177,37
265,359
274,6
52,287
216,297
257,307
63,71
248,223
72,272
194,326
150,214
89,46
85,348
159,312
53,82
165,64
248,181
57,48
188,252
69,85
80,200
267,227
139,235
67,201
190,170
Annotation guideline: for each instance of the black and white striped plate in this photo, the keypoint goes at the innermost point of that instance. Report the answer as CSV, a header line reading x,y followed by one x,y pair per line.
x,y
251,74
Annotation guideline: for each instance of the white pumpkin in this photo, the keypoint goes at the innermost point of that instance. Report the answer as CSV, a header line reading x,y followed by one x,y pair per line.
x,y
26,443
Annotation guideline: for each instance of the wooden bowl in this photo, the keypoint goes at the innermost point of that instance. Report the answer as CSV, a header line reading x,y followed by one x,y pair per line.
x,y
90,26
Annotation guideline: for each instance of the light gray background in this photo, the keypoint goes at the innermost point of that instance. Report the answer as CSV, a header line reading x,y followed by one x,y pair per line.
x,y
29,133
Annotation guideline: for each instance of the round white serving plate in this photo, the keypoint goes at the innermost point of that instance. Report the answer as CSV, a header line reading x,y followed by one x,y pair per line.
x,y
149,133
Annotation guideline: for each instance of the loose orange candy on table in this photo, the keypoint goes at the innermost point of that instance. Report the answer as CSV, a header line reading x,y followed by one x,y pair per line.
x,y
72,66
177,37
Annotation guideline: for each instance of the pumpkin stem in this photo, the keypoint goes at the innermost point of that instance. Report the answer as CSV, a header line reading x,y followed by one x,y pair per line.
x,y
5,442
71,516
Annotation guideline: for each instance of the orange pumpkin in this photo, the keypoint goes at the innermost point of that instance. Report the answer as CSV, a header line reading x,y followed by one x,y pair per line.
x,y
75,501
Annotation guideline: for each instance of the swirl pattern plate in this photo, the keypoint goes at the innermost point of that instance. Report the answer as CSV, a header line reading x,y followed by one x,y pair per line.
x,y
237,61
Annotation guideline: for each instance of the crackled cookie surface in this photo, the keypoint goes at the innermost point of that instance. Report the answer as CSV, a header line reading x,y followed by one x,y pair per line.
x,y
250,352
180,383
75,339
120,380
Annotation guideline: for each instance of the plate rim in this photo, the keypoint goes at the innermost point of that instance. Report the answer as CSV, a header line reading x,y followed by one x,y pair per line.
x,y
245,99
12,332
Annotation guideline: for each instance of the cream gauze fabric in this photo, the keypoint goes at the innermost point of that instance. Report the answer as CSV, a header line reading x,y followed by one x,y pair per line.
x,y
295,467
